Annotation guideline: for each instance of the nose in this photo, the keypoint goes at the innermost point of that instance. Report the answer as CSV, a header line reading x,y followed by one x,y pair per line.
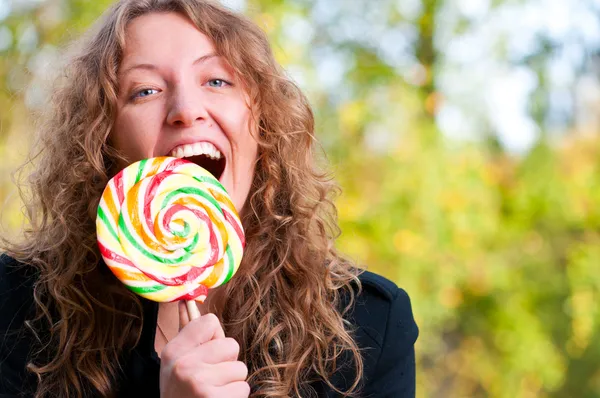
x,y
187,107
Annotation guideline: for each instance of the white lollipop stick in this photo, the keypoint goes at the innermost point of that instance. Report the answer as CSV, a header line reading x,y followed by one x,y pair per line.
x,y
192,310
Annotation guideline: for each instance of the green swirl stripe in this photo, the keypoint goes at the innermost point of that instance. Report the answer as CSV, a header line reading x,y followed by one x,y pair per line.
x,y
230,264
106,222
210,180
123,228
184,233
140,172
191,190
144,290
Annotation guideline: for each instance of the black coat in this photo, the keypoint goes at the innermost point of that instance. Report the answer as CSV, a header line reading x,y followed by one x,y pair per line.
x,y
385,332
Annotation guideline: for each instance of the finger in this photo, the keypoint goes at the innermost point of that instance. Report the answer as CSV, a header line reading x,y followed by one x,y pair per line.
x,y
217,351
184,318
221,374
196,332
203,329
237,389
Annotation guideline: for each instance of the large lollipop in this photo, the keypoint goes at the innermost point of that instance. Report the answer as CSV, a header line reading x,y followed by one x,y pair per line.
x,y
168,230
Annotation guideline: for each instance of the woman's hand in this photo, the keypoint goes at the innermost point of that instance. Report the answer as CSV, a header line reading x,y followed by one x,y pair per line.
x,y
201,362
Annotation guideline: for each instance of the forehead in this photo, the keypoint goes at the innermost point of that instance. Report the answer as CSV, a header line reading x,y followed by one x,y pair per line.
x,y
164,37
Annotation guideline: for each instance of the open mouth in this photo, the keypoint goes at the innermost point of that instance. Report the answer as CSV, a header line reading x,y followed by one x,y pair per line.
x,y
204,154
213,166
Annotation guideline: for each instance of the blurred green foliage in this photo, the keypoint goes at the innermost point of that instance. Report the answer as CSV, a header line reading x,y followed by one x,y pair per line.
x,y
498,252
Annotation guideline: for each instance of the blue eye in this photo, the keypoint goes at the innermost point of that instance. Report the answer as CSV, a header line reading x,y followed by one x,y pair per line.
x,y
217,83
144,93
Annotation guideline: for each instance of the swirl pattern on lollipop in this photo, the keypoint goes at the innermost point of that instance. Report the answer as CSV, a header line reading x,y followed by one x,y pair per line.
x,y
168,230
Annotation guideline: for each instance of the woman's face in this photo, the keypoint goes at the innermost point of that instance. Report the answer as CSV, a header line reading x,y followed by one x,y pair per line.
x,y
177,98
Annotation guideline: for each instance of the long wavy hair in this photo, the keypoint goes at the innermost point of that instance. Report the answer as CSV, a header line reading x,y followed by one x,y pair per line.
x,y
285,307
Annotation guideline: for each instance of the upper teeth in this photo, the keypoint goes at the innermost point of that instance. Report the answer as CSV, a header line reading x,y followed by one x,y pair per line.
x,y
197,148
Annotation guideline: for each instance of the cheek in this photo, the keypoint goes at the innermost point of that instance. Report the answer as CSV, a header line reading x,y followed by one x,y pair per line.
x,y
247,139
242,194
133,136
237,118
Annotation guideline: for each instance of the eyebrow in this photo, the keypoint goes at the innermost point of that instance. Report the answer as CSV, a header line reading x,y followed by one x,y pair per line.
x,y
200,60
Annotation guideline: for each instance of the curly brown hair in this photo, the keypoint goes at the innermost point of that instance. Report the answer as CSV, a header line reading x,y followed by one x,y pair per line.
x,y
284,307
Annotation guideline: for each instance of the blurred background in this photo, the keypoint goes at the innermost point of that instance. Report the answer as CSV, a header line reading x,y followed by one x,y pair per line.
x,y
465,136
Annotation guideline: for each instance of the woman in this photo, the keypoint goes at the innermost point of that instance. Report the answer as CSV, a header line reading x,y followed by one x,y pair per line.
x,y
153,78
